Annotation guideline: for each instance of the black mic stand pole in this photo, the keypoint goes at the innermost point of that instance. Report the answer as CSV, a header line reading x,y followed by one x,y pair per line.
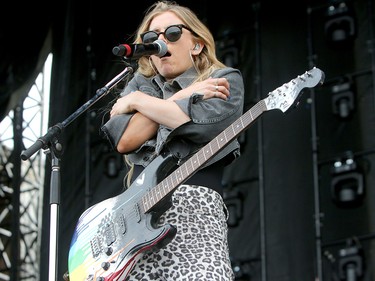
x,y
49,143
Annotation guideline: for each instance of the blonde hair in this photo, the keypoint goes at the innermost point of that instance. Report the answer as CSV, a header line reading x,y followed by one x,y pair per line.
x,y
129,175
205,62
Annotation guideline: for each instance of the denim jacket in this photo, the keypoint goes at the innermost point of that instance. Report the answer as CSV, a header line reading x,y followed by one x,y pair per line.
x,y
208,117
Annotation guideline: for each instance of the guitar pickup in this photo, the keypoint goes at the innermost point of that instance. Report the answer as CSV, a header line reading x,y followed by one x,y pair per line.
x,y
109,234
137,212
95,246
121,224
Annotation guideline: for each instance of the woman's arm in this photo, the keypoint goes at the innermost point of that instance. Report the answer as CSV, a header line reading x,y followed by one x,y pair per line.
x,y
164,112
139,130
152,111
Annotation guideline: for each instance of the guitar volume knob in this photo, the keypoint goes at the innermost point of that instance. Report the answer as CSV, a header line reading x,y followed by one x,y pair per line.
x,y
105,265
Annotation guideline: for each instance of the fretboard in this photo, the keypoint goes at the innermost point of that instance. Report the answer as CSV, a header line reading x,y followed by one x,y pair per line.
x,y
188,168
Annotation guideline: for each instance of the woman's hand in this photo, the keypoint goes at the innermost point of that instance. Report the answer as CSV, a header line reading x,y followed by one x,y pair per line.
x,y
209,88
123,104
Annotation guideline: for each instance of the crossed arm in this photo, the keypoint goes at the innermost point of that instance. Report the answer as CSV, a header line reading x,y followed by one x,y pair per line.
x,y
150,111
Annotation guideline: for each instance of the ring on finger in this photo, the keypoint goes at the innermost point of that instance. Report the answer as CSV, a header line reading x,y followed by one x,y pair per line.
x,y
216,88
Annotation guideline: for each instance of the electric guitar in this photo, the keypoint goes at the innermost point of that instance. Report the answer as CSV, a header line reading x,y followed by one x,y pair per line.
x,y
111,236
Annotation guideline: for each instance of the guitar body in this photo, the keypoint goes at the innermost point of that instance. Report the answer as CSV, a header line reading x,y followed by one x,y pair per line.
x,y
111,236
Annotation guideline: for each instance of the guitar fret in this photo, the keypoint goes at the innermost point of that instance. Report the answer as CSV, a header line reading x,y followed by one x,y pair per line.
x,y
145,203
177,175
164,186
169,182
219,139
196,162
217,144
205,153
208,151
187,171
251,113
183,173
174,177
233,132
225,136
152,198
157,194
188,167
201,155
238,126
241,120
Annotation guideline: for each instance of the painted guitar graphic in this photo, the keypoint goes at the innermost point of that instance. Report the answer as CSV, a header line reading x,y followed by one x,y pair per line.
x,y
111,236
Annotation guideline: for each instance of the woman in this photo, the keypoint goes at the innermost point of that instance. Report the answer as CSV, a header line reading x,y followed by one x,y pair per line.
x,y
176,104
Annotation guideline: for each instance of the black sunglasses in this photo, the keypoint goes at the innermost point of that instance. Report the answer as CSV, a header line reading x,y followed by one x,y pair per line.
x,y
171,33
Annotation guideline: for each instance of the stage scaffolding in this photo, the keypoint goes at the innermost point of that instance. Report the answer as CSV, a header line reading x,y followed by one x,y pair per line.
x,y
21,184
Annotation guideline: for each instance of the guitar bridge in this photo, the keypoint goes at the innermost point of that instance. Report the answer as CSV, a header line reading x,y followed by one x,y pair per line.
x,y
109,234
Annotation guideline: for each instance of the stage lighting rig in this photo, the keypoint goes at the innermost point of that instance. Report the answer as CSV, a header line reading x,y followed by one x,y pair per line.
x,y
343,99
347,183
340,25
351,261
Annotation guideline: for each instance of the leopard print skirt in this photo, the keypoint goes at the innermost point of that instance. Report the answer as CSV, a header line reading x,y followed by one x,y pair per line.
x,y
199,251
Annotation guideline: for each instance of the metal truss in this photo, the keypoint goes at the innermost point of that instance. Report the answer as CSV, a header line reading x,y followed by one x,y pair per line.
x,y
21,185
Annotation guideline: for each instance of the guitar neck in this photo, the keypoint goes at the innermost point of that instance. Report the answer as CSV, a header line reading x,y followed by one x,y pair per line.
x,y
281,98
188,168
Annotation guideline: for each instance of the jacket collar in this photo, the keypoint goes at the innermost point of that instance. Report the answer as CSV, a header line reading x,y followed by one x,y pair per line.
x,y
184,80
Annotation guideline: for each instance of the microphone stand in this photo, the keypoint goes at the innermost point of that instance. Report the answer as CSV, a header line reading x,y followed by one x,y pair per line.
x,y
50,143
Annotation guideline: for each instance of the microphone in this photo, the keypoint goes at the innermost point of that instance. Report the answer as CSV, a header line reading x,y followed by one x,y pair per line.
x,y
136,51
